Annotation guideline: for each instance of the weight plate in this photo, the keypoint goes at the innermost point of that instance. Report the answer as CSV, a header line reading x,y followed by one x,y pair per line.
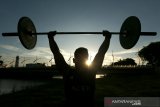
x,y
132,27
25,28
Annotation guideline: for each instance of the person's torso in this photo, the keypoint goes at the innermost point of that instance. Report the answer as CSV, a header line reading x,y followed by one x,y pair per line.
x,y
79,84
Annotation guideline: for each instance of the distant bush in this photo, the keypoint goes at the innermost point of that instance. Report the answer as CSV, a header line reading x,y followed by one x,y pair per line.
x,y
128,61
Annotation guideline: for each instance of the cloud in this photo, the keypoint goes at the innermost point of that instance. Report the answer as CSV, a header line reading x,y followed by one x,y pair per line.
x,y
65,53
119,55
124,52
44,53
109,59
9,47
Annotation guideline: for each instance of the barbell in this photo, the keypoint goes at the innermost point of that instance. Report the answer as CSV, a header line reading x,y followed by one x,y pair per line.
x,y
129,33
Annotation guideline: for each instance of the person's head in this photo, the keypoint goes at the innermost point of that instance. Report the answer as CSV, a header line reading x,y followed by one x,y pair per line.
x,y
80,57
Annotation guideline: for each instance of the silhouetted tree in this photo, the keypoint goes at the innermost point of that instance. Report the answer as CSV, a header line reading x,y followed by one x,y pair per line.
x,y
128,61
151,53
1,62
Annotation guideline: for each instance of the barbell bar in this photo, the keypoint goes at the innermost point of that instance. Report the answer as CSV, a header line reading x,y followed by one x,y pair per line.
x,y
129,33
114,33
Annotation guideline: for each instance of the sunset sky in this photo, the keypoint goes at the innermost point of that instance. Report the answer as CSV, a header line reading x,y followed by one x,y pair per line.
x,y
76,15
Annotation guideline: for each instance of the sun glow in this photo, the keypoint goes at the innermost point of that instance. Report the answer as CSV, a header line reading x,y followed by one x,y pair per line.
x,y
88,62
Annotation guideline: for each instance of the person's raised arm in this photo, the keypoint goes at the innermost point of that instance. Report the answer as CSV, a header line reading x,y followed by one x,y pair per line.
x,y
59,59
98,60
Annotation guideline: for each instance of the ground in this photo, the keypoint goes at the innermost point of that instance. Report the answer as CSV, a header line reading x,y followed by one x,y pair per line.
x,y
52,94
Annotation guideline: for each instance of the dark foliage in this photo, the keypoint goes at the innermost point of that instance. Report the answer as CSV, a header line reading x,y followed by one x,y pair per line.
x,y
151,53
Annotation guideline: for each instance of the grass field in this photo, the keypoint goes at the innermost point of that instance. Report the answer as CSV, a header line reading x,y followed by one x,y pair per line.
x,y
52,93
